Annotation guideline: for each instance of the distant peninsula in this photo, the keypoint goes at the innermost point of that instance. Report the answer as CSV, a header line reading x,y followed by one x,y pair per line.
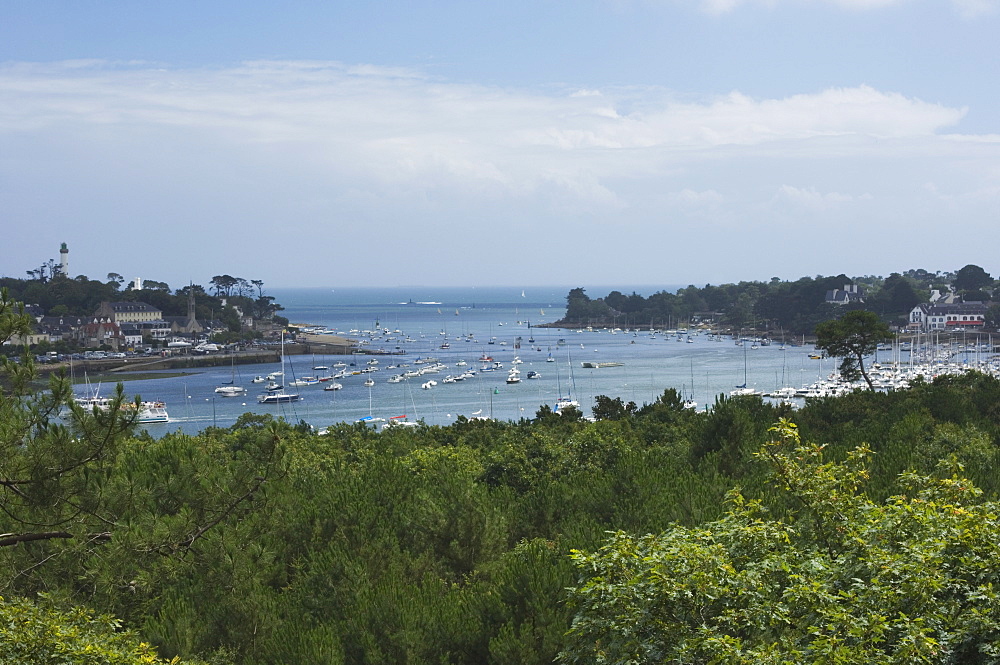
x,y
792,307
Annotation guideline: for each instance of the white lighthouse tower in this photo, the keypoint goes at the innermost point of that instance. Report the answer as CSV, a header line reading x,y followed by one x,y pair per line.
x,y
64,260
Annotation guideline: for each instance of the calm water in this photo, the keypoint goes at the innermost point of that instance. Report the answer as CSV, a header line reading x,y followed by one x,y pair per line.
x,y
468,319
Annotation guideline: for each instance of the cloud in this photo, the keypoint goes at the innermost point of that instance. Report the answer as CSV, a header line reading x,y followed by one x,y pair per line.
x,y
325,151
970,9
399,135
976,198
692,199
967,9
396,113
813,200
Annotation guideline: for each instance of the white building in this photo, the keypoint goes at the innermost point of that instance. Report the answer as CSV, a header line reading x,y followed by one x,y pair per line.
x,y
927,317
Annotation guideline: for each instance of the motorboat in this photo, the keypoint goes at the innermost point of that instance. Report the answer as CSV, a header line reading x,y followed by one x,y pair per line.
x,y
280,397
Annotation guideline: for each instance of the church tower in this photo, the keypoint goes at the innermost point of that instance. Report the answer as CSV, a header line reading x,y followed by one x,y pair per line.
x,y
192,325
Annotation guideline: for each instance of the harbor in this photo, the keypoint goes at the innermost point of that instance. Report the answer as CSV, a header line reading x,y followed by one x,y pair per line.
x,y
424,363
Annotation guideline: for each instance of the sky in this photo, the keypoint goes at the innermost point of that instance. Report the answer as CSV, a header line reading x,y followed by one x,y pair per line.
x,y
481,143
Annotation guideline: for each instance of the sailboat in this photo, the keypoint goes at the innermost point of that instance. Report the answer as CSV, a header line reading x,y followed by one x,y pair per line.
x,y
279,396
370,419
564,401
399,421
231,391
229,388
689,403
742,389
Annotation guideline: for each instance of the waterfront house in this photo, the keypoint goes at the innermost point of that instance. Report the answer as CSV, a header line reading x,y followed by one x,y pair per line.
x,y
928,317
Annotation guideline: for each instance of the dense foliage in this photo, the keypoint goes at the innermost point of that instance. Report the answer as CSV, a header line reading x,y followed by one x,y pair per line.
x,y
837,578
41,634
793,307
267,543
61,295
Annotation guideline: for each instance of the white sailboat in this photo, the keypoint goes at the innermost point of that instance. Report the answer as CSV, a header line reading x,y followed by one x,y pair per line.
x,y
229,388
279,396
743,389
689,403
370,419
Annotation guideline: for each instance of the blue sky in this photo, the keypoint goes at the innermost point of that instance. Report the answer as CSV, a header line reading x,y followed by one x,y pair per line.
x,y
466,143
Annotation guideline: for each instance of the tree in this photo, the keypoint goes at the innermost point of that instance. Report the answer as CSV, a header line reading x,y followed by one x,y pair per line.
x,y
993,316
837,578
44,272
897,295
224,284
852,337
606,408
972,278
32,634
153,285
60,465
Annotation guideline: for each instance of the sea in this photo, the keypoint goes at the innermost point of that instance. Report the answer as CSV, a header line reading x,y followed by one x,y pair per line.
x,y
414,323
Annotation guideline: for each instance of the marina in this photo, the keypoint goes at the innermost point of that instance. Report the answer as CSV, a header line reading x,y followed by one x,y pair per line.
x,y
423,362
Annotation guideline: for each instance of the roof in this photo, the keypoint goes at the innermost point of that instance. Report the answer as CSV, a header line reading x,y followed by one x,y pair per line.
x,y
842,296
126,306
957,308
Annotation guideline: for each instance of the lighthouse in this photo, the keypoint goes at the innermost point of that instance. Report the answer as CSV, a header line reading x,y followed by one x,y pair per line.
x,y
64,260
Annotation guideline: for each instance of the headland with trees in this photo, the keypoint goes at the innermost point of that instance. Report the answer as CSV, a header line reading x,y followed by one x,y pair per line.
x,y
232,309
794,308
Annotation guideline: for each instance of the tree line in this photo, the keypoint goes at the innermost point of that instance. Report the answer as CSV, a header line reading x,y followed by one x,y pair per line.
x,y
795,307
60,295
